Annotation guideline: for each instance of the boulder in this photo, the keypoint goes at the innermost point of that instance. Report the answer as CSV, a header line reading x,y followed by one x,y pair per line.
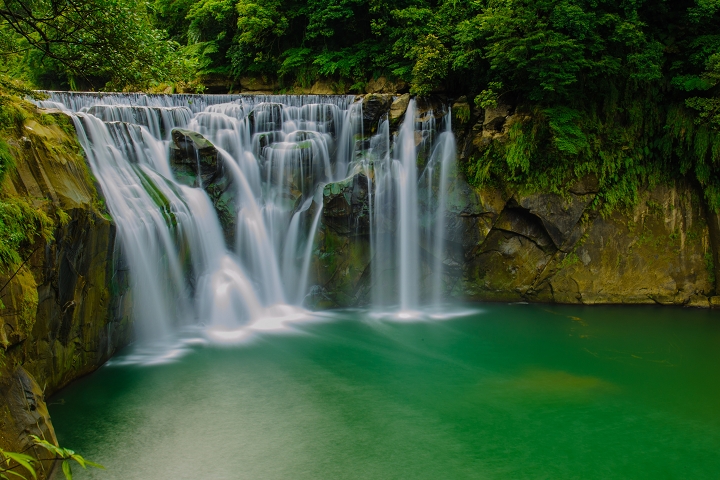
x,y
194,159
375,106
495,117
213,84
323,87
383,85
346,205
257,84
398,108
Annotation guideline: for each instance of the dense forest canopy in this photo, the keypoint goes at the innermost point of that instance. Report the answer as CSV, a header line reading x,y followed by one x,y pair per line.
x,y
625,89
543,51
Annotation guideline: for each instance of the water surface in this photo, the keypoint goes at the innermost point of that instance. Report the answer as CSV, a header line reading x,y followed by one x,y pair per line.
x,y
507,392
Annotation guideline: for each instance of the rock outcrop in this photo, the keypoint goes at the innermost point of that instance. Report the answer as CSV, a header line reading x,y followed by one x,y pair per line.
x,y
67,308
375,106
193,158
196,162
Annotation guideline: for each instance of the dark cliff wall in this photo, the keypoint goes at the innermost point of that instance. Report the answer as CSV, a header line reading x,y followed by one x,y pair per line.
x,y
66,310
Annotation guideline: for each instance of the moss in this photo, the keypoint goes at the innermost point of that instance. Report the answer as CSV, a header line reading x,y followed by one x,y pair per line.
x,y
158,197
27,312
20,224
569,260
7,161
710,266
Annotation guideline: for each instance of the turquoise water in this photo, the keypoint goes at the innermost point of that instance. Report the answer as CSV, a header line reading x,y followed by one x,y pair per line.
x,y
507,392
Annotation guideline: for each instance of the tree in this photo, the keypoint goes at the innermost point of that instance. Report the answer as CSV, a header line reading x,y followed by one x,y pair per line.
x,y
95,42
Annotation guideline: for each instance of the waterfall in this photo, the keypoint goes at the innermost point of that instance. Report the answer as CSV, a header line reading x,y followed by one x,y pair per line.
x,y
218,200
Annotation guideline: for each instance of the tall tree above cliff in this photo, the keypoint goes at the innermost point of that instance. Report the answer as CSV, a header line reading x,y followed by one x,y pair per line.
x,y
103,43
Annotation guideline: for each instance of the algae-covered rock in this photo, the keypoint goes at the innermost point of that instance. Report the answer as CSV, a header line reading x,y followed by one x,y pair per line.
x,y
495,117
324,87
559,215
652,254
512,256
345,205
193,157
24,413
538,249
342,258
257,84
197,163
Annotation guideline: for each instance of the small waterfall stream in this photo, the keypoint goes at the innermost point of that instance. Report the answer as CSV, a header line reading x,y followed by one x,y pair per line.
x,y
234,248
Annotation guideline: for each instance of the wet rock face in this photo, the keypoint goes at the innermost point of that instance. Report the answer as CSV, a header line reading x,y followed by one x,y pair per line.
x,y
559,216
345,206
196,162
383,85
341,261
25,414
193,158
553,249
375,106
398,109
257,85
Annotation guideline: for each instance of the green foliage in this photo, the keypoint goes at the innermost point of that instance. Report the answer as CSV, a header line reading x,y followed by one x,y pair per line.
x,y
489,97
641,144
66,455
20,224
87,44
7,161
10,462
432,62
567,135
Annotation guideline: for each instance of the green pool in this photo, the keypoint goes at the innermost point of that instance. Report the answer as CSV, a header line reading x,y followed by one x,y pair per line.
x,y
502,392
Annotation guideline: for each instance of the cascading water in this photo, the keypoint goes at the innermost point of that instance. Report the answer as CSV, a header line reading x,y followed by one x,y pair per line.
x,y
274,154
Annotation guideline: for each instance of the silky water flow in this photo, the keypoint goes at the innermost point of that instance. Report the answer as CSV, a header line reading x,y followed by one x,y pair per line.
x,y
276,154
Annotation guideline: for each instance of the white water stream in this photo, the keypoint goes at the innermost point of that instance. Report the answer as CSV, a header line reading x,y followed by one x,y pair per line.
x,y
276,153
